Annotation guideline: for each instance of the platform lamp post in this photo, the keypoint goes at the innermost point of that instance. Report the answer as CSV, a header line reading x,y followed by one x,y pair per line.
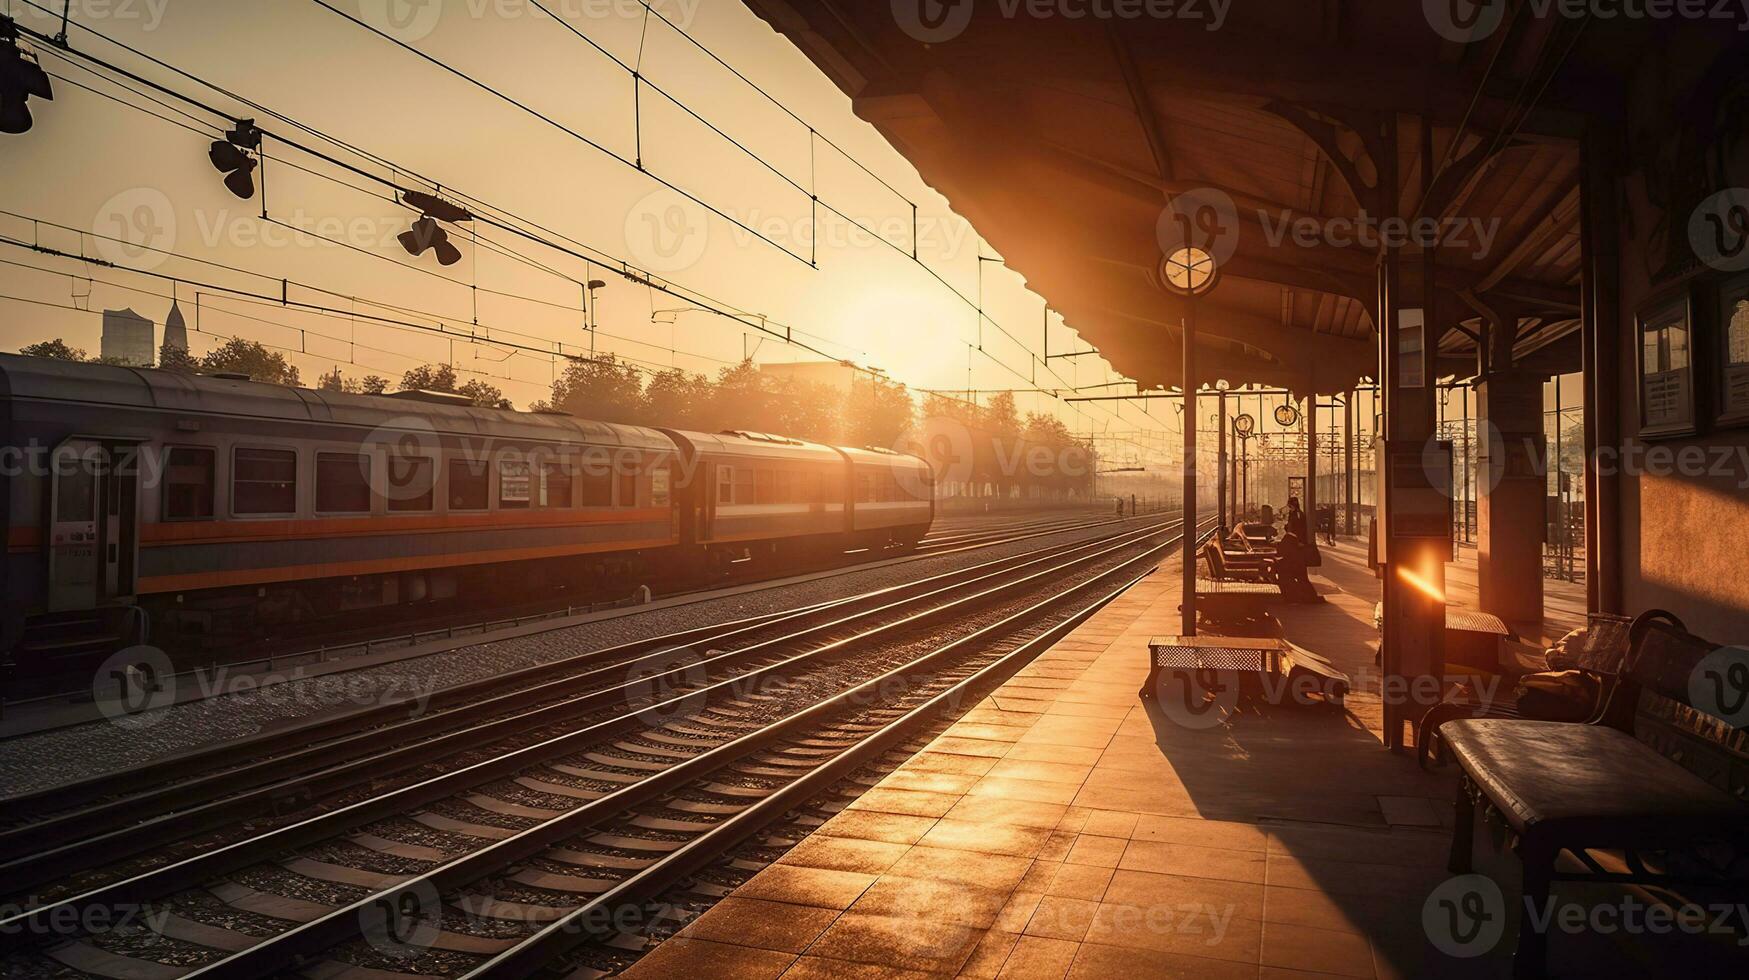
x,y
1244,427
589,289
1190,272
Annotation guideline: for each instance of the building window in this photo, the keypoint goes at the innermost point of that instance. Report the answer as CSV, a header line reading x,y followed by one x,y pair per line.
x,y
556,488
342,483
188,484
515,485
468,489
410,483
264,481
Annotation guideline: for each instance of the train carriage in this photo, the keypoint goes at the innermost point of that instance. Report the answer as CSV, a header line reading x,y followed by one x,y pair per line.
x,y
139,501
178,492
893,498
753,493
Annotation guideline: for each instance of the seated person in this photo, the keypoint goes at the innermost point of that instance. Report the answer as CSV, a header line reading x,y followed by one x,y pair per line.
x,y
1290,570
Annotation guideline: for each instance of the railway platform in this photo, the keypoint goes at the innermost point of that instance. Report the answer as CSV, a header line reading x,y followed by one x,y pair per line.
x,y
1067,827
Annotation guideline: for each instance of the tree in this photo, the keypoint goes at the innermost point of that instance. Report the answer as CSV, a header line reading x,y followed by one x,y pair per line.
x,y
177,360
373,385
679,399
370,385
743,399
484,395
604,389
430,377
239,356
56,349
877,412
805,410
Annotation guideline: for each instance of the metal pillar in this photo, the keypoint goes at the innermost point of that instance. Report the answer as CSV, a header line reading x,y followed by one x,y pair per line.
x,y
1600,336
1187,611
1348,462
1221,457
1310,419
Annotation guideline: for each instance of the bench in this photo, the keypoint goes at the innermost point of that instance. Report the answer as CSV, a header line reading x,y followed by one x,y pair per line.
x,y
1234,594
1657,786
1599,656
1472,639
1270,667
1239,568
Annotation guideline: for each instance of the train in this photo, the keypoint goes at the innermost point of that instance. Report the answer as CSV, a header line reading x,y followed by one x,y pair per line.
x,y
141,501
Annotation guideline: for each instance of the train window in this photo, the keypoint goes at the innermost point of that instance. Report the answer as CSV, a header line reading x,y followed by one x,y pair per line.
x,y
468,489
556,488
188,484
411,483
515,483
661,479
865,488
628,489
744,485
767,490
342,483
597,486
725,484
264,481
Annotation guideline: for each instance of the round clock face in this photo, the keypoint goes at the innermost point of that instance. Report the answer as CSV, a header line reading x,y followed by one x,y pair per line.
x,y
1245,425
1287,415
1188,270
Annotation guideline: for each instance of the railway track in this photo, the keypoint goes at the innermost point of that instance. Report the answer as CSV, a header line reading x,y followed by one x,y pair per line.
x,y
413,631
530,844
53,833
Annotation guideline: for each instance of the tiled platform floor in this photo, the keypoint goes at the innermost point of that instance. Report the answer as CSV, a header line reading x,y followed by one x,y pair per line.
x,y
1066,828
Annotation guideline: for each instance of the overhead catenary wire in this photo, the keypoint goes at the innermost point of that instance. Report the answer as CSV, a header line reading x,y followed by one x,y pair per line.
x,y
619,266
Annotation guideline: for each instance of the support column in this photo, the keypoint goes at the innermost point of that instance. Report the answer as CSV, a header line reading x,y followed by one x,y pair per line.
x,y
1511,509
1187,608
1415,514
1348,462
1600,337
1311,502
1221,458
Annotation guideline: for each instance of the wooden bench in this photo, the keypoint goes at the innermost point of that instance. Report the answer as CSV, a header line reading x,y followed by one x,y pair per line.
x,y
1655,791
1233,594
1472,639
1259,666
1600,656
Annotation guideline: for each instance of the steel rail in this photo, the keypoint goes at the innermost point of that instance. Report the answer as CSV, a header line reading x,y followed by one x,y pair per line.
x,y
54,847
576,927
42,921
309,939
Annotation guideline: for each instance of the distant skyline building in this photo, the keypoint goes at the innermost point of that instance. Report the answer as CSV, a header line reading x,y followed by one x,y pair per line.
x,y
175,329
127,338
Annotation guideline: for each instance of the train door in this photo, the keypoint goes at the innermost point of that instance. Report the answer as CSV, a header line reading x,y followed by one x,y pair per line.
x,y
93,523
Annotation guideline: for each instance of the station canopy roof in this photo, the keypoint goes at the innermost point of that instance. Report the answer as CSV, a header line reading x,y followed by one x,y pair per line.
x,y
1073,144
